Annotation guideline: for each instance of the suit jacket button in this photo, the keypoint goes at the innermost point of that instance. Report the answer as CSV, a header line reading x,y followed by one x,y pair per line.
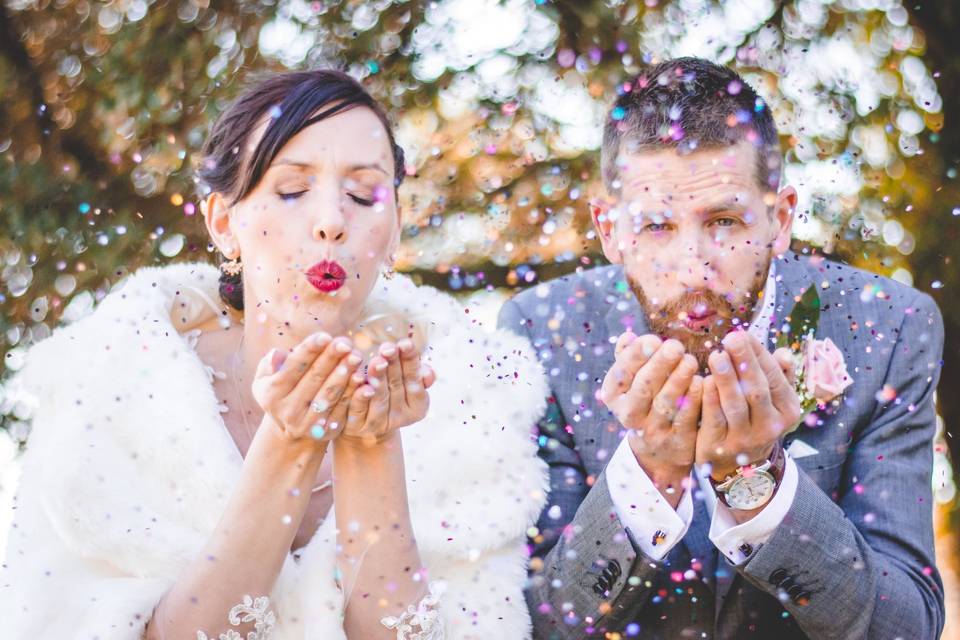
x,y
794,590
786,583
614,568
777,576
599,590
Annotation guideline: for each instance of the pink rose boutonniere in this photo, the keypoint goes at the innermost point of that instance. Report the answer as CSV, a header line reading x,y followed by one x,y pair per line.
x,y
821,373
823,370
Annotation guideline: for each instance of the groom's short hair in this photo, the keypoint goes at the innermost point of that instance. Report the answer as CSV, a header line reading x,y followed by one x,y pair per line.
x,y
690,104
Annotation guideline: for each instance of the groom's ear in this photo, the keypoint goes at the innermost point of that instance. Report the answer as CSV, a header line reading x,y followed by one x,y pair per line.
x,y
784,208
606,228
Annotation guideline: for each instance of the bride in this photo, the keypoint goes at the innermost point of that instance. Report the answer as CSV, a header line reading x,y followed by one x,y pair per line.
x,y
224,453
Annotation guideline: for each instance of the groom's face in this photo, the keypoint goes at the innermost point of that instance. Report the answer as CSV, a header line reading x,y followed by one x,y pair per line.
x,y
695,234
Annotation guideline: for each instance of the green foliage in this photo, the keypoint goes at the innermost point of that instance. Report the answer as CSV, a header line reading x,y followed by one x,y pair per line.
x,y
104,107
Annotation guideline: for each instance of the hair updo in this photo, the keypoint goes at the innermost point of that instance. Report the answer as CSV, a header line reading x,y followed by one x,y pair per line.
x,y
294,101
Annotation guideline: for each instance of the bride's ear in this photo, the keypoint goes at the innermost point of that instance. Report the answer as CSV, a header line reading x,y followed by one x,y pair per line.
x,y
216,216
394,245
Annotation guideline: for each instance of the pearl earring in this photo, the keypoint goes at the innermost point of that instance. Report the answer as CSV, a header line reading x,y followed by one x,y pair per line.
x,y
231,267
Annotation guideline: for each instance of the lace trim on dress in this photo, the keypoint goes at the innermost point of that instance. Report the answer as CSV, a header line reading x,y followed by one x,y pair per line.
x,y
422,622
249,610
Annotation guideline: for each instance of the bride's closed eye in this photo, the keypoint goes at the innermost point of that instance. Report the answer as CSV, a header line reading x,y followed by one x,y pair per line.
x,y
365,202
291,195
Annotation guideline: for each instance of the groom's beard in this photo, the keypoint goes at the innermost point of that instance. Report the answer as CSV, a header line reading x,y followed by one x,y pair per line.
x,y
666,320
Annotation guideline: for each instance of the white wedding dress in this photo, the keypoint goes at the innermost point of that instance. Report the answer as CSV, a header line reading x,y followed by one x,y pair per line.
x,y
129,466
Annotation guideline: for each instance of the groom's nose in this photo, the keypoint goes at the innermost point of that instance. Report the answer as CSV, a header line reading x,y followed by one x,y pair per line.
x,y
694,262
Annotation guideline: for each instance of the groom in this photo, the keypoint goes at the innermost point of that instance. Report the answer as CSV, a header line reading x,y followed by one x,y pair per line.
x,y
682,504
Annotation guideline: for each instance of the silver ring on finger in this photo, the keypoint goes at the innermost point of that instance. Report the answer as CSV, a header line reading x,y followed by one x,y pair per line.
x,y
319,406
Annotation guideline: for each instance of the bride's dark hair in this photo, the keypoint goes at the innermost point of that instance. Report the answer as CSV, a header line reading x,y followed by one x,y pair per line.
x,y
293,101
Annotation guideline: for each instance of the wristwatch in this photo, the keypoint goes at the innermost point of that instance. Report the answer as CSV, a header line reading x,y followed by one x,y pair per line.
x,y
752,486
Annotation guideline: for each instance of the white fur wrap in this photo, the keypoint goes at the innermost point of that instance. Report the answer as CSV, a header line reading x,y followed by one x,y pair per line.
x,y
129,467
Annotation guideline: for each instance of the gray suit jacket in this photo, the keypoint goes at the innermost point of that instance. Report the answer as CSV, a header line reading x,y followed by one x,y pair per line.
x,y
854,556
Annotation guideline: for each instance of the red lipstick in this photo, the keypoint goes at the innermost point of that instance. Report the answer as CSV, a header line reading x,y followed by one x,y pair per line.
x,y
326,276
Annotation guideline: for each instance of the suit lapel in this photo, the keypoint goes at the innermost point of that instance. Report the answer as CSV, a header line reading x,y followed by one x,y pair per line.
x,y
624,312
793,279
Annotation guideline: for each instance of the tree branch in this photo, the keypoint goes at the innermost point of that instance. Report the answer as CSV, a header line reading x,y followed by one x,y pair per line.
x,y
52,140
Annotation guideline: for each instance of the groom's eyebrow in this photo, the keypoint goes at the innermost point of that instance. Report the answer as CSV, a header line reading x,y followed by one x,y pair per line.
x,y
732,205
665,210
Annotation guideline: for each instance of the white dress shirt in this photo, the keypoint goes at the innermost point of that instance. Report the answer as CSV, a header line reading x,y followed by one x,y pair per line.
x,y
657,527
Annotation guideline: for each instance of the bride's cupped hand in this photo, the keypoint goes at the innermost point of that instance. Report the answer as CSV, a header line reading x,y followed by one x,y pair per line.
x,y
305,394
394,394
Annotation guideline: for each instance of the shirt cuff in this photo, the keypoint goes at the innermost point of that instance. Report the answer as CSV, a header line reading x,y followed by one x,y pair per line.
x,y
655,525
740,541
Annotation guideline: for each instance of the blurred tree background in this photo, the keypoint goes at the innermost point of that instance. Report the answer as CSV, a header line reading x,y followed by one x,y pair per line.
x,y
499,105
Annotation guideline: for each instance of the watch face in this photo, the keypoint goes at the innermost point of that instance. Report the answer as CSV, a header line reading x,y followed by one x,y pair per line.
x,y
751,492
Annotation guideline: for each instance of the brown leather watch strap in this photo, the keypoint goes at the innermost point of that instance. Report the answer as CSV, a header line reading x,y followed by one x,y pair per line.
x,y
777,460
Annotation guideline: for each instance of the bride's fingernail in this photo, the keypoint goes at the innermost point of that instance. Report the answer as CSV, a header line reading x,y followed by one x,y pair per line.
x,y
321,339
357,378
406,345
343,347
380,367
271,355
368,392
353,360
277,358
388,351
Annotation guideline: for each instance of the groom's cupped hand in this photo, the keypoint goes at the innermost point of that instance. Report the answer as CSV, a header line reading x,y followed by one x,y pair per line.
x,y
749,403
654,391
732,417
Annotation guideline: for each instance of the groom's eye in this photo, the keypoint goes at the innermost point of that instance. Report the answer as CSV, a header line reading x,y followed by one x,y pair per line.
x,y
725,222
655,227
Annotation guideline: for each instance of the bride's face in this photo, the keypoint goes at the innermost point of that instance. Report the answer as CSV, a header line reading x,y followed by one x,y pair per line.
x,y
318,228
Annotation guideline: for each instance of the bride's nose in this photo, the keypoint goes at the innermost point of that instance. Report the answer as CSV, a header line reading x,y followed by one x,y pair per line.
x,y
330,224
